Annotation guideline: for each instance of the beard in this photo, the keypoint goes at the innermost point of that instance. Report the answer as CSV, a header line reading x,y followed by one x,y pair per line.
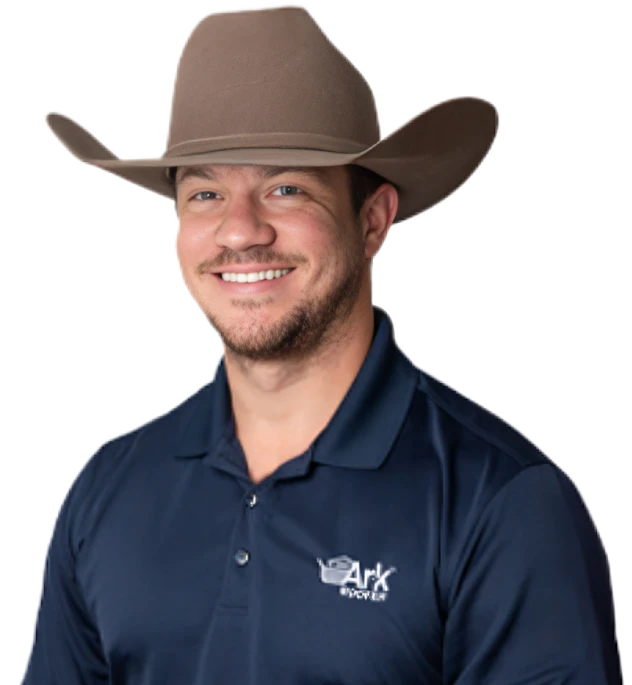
x,y
311,324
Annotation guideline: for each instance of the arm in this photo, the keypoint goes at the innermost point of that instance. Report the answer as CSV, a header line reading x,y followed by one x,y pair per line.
x,y
67,648
530,601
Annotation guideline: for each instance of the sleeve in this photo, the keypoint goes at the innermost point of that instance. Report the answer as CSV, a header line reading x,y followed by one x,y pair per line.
x,y
530,601
66,648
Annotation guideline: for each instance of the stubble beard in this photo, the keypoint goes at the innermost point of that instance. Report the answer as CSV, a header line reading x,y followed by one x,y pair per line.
x,y
311,325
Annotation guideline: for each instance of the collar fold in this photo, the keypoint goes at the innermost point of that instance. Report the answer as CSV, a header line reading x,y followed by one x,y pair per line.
x,y
361,432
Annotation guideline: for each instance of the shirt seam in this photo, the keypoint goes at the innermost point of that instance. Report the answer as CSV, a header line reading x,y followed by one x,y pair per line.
x,y
489,503
478,430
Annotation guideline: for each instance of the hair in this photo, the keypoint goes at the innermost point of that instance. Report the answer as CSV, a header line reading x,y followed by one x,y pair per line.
x,y
362,183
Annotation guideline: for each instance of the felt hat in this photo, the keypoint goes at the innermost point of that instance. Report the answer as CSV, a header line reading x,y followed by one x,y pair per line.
x,y
268,87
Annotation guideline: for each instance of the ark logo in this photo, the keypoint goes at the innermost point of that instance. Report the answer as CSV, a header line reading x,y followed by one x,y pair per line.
x,y
354,583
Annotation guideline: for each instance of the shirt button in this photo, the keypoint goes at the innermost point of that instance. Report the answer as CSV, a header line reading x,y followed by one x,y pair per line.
x,y
242,557
251,500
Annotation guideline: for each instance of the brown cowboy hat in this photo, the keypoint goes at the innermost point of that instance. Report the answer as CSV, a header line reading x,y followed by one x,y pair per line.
x,y
268,87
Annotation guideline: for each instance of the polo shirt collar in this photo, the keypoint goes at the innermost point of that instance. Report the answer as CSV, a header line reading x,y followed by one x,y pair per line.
x,y
361,432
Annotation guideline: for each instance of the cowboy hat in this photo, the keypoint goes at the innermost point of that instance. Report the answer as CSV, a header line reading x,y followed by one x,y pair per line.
x,y
268,87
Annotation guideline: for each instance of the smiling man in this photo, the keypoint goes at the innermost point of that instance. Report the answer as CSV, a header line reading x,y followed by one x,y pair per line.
x,y
322,511
286,283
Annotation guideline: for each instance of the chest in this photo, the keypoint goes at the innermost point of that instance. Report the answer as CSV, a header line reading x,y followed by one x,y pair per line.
x,y
262,584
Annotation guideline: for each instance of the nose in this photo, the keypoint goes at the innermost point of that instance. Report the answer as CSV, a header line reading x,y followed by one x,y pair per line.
x,y
242,224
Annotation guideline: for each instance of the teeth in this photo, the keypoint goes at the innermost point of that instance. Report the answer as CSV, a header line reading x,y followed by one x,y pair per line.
x,y
255,276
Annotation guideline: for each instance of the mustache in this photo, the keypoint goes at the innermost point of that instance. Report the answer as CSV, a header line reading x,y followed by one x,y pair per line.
x,y
259,255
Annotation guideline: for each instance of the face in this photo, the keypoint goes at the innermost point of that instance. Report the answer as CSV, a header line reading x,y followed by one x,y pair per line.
x,y
253,224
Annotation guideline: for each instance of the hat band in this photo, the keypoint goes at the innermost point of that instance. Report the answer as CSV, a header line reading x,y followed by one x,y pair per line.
x,y
314,141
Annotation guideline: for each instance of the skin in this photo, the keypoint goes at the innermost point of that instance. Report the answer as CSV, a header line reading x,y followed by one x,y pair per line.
x,y
292,352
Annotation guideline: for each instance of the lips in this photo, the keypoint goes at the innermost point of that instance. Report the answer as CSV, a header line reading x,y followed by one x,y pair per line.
x,y
247,288
220,274
252,268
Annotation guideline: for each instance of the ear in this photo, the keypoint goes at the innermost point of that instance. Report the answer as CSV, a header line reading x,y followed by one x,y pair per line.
x,y
377,216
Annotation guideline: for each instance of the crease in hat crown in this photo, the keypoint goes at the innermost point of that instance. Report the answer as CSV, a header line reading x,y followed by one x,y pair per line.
x,y
250,78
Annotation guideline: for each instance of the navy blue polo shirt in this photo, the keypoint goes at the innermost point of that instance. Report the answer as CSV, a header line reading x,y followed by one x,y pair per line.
x,y
418,540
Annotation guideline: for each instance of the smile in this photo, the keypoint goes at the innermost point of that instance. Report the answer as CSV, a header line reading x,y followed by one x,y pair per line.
x,y
254,276
255,282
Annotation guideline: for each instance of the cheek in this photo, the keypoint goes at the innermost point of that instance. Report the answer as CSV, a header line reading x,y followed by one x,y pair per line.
x,y
192,243
184,256
183,246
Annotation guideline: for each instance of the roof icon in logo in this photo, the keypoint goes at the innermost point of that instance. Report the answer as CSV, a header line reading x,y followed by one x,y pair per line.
x,y
336,570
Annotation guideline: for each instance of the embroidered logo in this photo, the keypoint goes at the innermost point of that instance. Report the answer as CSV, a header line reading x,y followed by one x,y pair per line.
x,y
354,583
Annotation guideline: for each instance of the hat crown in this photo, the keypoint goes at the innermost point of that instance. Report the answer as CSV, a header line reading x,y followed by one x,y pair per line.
x,y
268,72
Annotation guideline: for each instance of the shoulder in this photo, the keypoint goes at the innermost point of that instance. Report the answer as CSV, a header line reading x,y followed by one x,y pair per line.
x,y
158,436
460,415
489,478
470,452
104,471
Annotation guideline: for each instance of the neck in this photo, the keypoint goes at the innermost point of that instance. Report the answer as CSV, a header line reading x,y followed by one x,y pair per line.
x,y
280,407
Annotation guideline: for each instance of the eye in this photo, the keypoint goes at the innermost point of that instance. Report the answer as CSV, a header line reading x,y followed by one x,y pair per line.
x,y
203,192
288,188
203,195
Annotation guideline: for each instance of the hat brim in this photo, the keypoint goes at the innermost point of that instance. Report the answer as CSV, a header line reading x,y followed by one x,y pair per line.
x,y
426,159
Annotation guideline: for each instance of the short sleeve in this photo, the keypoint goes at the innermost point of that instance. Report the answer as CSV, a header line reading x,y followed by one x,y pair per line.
x,y
66,647
530,599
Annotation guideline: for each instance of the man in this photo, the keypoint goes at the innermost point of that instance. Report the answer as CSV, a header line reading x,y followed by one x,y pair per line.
x,y
323,511
301,336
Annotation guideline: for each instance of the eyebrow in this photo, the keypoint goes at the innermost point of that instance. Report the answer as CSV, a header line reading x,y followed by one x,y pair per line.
x,y
209,174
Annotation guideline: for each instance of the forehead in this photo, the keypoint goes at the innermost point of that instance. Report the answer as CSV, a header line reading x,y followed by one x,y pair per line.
x,y
214,172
